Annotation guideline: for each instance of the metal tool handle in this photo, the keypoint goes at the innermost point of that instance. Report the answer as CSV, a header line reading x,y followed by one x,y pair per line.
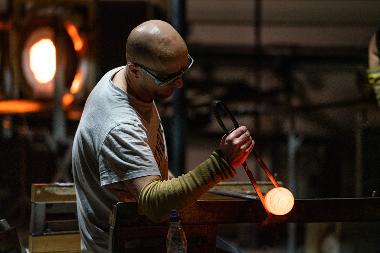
x,y
219,106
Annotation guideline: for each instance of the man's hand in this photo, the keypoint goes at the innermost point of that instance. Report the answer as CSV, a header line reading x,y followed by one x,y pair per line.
x,y
236,146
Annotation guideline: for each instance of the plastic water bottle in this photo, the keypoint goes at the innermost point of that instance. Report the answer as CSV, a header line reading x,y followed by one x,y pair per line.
x,y
176,239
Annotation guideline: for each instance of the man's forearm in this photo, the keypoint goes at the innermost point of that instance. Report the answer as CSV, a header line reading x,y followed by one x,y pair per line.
x,y
159,197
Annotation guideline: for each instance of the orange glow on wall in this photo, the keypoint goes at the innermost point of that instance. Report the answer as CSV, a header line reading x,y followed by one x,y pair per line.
x,y
72,30
74,35
9,107
6,123
42,60
279,201
77,83
67,99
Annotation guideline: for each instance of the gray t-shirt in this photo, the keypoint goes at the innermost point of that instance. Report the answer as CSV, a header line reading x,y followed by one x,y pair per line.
x,y
114,142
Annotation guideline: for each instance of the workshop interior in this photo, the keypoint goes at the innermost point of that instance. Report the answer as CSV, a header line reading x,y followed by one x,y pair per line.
x,y
294,72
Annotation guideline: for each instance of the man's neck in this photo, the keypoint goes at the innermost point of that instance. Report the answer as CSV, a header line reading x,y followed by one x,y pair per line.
x,y
133,90
121,80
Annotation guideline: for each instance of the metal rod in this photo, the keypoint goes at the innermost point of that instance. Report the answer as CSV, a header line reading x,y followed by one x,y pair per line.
x,y
262,164
255,186
178,121
233,194
59,120
218,106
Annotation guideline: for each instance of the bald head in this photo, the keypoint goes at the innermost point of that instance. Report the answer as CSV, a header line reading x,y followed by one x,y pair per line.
x,y
154,40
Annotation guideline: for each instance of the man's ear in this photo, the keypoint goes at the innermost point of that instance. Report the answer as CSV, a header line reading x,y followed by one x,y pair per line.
x,y
133,69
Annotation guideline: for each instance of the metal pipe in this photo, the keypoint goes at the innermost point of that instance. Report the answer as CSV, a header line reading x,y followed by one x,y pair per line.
x,y
177,156
59,121
360,124
293,145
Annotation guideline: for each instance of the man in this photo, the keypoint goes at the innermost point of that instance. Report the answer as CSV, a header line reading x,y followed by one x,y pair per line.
x,y
374,64
119,149
373,50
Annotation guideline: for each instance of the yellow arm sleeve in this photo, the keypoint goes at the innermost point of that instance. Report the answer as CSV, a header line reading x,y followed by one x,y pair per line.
x,y
159,197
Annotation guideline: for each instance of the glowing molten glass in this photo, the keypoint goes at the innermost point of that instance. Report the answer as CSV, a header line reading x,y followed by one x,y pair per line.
x,y
279,201
42,60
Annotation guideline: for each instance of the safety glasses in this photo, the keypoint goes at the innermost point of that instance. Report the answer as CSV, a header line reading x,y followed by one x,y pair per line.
x,y
169,79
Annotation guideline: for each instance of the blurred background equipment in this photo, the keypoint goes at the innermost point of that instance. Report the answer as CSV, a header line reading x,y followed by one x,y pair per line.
x,y
47,69
53,220
5,27
43,32
9,241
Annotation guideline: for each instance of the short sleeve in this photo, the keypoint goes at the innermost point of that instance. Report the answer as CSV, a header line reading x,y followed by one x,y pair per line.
x,y
125,154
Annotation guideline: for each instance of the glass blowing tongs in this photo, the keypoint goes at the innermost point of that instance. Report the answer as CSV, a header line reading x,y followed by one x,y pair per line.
x,y
219,108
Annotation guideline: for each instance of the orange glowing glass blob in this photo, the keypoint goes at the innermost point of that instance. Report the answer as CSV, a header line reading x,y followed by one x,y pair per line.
x,y
42,60
279,201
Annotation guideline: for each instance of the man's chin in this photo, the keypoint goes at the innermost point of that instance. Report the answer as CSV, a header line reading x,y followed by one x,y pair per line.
x,y
163,96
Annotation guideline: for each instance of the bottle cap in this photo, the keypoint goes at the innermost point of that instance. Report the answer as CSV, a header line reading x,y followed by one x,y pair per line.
x,y
173,216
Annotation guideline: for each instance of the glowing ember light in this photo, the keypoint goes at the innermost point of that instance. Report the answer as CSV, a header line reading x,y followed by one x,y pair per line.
x,y
6,123
67,99
42,60
279,201
77,83
19,107
74,35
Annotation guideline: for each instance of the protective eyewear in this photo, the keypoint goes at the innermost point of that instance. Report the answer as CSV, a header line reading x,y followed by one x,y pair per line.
x,y
171,78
